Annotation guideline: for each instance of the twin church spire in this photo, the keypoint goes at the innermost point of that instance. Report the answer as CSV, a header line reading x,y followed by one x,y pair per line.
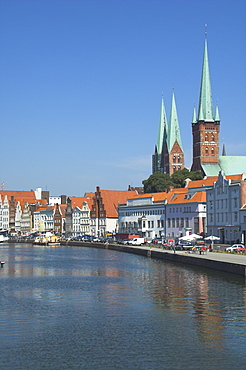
x,y
168,156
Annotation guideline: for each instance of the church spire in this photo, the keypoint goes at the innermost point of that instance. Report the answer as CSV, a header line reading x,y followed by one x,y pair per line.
x,y
223,150
205,110
162,131
194,120
174,132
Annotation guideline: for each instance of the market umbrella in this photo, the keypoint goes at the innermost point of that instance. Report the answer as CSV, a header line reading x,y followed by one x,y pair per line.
x,y
212,238
190,237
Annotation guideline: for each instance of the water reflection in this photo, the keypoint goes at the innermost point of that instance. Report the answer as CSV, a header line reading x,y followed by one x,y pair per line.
x,y
114,291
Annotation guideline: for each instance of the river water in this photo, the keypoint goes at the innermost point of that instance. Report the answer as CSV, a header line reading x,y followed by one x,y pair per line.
x,y
87,308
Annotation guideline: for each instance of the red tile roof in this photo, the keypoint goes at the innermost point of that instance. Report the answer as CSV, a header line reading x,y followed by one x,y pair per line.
x,y
78,201
112,198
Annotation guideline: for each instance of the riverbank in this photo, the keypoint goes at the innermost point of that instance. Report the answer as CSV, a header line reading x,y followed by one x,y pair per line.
x,y
226,262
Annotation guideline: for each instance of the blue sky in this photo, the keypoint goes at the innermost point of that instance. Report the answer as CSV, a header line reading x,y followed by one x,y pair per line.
x,y
81,84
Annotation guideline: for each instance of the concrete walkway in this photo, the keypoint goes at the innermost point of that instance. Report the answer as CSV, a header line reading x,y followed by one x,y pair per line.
x,y
215,256
226,262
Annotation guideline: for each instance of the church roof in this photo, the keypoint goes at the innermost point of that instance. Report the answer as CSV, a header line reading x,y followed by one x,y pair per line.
x,y
230,165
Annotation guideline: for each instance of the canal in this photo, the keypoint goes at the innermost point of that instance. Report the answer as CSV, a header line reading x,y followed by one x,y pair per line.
x,y
86,308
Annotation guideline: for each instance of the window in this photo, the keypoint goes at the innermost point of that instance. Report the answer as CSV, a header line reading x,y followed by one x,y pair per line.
x,y
182,222
173,222
186,222
212,151
206,150
169,222
177,222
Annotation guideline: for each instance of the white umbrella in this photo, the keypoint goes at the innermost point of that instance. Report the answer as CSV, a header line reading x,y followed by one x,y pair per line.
x,y
213,238
190,237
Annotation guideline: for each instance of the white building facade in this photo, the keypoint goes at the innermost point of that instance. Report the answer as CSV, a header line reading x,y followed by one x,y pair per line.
x,y
142,216
225,199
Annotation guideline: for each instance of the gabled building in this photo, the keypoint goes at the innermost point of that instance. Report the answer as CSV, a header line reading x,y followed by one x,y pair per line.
x,y
77,215
12,205
59,218
43,219
104,213
226,200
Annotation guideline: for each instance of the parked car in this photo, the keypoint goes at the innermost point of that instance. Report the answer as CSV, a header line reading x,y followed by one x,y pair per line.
x,y
236,248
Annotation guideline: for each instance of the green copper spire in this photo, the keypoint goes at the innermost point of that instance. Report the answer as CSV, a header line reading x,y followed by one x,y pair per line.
x,y
173,132
194,120
162,131
217,116
205,111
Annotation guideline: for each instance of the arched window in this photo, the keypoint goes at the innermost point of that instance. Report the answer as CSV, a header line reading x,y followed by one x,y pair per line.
x,y
206,137
178,159
206,150
174,159
212,137
212,151
174,168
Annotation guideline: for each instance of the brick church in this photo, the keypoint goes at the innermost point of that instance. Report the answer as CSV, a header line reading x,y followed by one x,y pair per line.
x,y
169,156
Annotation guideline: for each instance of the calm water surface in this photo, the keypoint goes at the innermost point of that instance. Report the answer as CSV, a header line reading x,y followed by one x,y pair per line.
x,y
87,308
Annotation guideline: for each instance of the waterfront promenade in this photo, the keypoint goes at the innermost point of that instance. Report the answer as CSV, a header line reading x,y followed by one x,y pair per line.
x,y
220,261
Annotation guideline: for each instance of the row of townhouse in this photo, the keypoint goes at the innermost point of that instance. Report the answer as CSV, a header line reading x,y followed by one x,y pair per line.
x,y
16,209
35,211
212,206
94,214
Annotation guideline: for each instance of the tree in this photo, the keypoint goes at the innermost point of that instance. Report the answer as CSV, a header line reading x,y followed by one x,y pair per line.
x,y
179,177
158,182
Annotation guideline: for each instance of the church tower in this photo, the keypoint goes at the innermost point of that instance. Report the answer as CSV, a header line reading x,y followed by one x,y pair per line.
x,y
174,156
205,127
169,156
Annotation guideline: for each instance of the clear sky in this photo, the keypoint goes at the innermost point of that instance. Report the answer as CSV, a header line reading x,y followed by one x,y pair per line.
x,y
81,83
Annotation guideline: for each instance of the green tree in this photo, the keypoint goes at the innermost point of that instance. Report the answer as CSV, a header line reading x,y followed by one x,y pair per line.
x,y
179,177
157,182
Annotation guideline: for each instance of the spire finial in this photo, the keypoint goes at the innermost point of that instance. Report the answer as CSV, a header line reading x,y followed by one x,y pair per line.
x,y
206,27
